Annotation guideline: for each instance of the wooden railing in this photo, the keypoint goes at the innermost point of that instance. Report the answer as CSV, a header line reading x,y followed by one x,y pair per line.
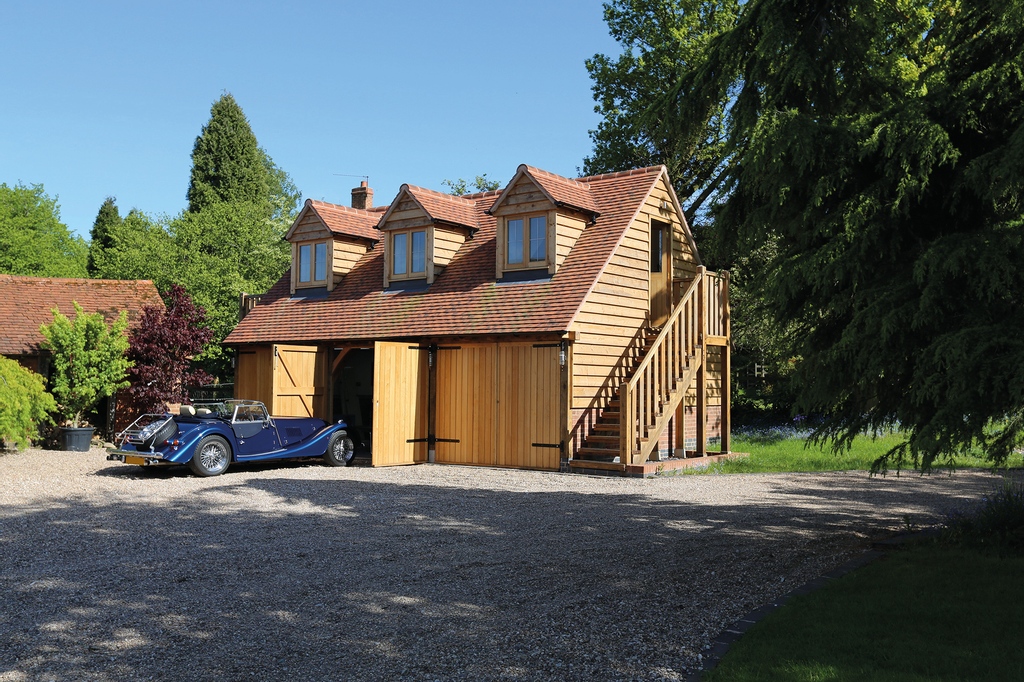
x,y
649,399
716,303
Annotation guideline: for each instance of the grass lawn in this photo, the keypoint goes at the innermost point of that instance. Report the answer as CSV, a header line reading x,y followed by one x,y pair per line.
x,y
771,451
935,612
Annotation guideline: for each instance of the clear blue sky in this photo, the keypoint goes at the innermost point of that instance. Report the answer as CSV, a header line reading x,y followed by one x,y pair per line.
x,y
107,98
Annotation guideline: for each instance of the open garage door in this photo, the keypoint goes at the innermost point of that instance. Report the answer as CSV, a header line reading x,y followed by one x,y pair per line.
x,y
299,378
400,379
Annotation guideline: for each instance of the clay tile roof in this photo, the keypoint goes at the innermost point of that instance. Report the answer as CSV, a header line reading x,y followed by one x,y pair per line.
x,y
348,221
574,193
445,207
464,299
26,303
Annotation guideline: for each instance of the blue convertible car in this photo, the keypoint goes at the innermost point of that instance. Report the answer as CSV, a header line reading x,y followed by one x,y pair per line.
x,y
209,437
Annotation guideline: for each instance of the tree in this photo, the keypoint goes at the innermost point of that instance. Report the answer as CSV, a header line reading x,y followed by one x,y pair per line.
x,y
107,220
658,38
88,360
461,186
882,146
230,240
137,248
285,198
223,251
24,403
227,163
33,241
161,348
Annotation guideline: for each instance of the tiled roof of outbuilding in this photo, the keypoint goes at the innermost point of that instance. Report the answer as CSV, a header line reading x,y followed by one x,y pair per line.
x,y
27,302
464,299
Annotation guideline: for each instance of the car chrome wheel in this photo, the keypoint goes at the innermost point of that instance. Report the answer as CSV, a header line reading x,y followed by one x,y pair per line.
x,y
214,456
340,450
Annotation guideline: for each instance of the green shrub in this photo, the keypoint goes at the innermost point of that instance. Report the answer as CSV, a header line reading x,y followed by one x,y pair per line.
x,y
24,403
998,522
89,360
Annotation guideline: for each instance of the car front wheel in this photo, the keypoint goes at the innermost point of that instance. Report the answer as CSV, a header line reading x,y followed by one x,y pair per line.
x,y
340,450
212,457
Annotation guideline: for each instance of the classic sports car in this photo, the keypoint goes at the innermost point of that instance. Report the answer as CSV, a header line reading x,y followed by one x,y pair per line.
x,y
210,436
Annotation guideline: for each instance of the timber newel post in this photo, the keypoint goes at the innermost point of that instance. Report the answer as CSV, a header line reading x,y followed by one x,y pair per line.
x,y
702,330
726,423
626,435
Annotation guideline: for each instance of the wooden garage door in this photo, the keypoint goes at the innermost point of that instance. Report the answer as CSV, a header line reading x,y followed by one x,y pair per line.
x,y
496,402
254,374
298,381
528,406
466,404
399,404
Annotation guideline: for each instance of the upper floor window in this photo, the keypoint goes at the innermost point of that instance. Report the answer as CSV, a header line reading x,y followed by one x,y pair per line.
x,y
409,254
526,241
313,262
657,246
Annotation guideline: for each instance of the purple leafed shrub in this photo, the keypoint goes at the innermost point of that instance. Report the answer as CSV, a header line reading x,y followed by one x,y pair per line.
x,y
161,346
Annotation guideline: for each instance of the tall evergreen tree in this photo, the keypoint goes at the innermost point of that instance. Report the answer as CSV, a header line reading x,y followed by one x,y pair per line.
x,y
227,163
880,146
229,240
107,219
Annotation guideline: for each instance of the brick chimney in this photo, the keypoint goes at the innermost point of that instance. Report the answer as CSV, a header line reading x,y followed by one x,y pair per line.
x,y
362,197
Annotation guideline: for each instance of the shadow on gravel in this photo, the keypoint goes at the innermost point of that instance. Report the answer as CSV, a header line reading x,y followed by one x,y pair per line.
x,y
261,577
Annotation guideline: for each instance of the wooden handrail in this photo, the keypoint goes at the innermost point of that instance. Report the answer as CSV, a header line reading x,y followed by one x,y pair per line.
x,y
648,400
664,332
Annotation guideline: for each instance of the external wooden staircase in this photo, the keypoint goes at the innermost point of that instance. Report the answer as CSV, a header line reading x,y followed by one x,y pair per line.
x,y
630,425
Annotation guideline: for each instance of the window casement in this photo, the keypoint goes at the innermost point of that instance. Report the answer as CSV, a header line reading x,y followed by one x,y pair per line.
x,y
526,242
657,246
408,254
312,265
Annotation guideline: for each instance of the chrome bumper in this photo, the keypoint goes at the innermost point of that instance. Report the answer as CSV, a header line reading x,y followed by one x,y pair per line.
x,y
135,457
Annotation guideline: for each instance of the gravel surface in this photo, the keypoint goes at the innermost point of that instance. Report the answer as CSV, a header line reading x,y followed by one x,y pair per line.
x,y
302,571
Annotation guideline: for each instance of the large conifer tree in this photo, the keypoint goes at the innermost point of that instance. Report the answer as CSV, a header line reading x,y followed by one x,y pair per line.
x,y
227,163
880,148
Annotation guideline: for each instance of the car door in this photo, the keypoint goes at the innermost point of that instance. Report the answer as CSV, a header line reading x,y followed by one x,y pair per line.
x,y
255,432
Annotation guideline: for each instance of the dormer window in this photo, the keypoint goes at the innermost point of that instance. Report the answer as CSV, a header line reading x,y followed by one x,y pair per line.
x,y
313,263
408,254
526,242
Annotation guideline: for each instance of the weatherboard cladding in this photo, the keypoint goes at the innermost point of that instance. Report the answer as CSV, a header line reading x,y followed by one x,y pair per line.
x,y
28,302
465,299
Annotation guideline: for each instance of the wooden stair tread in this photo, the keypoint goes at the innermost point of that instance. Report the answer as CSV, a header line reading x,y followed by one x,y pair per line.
x,y
599,438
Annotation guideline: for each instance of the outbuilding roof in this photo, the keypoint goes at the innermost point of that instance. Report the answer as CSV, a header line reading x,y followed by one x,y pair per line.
x,y
27,302
465,299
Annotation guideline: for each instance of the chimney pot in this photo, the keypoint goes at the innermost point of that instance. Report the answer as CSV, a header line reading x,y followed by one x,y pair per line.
x,y
362,196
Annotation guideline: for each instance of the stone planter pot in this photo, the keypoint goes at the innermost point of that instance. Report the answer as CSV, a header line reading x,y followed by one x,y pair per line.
x,y
76,440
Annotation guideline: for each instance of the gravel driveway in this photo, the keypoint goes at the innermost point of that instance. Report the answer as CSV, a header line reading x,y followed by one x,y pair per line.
x,y
301,571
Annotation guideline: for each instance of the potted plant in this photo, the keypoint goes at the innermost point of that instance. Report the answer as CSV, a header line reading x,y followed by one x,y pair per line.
x,y
88,363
